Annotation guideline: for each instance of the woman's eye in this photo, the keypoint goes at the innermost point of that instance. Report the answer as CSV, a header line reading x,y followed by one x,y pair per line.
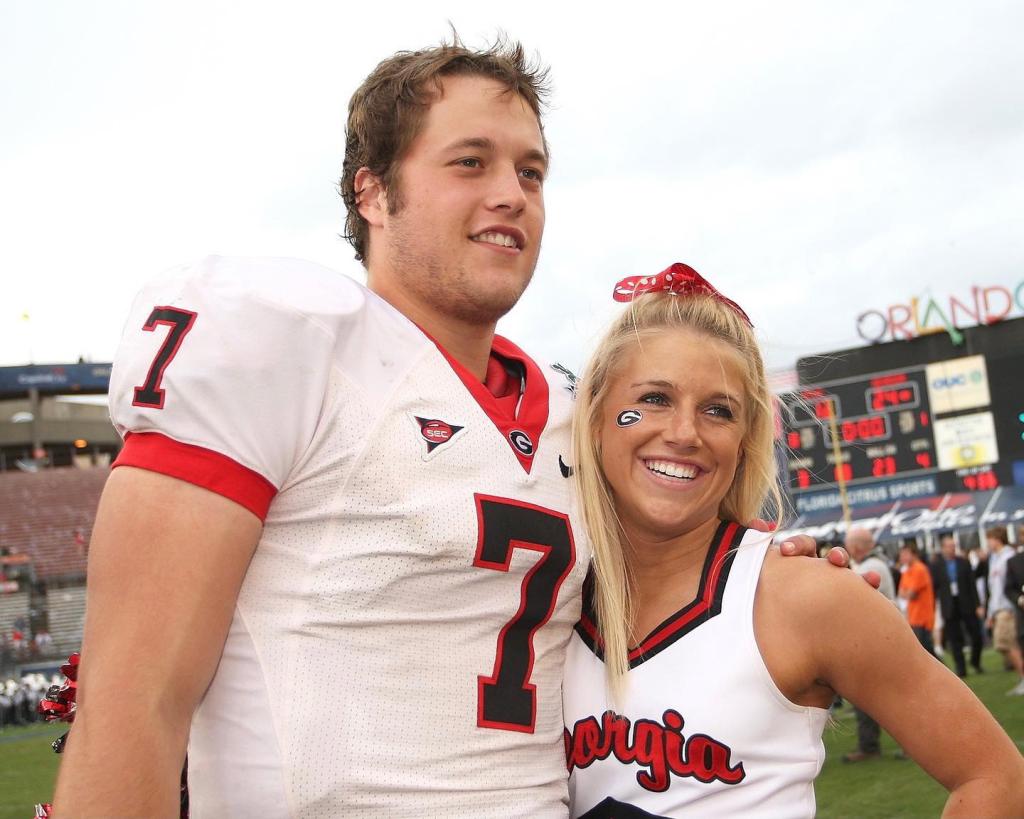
x,y
469,162
654,398
722,411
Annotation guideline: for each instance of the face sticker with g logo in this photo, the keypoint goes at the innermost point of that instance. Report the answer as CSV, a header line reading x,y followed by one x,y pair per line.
x,y
629,417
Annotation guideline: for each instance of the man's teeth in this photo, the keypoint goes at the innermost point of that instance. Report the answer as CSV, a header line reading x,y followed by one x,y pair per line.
x,y
496,239
672,470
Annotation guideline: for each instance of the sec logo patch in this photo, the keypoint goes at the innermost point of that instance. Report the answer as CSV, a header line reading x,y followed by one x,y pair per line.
x,y
436,432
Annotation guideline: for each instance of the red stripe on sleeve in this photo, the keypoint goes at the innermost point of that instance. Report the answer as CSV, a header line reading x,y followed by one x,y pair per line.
x,y
202,467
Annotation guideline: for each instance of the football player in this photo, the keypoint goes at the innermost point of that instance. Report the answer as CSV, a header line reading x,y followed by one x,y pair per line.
x,y
336,562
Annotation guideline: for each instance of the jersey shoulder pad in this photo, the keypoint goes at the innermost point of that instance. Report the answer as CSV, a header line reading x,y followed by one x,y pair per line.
x,y
233,356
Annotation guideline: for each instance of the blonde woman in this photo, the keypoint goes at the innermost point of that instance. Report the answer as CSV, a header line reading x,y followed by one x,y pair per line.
x,y
699,677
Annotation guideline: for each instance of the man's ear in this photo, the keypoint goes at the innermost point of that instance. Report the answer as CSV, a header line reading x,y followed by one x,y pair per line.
x,y
371,198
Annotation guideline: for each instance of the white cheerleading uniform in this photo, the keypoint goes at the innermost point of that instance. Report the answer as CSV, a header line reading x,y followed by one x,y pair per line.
x,y
702,729
399,639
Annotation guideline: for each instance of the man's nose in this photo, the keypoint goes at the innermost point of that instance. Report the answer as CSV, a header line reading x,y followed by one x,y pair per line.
x,y
506,191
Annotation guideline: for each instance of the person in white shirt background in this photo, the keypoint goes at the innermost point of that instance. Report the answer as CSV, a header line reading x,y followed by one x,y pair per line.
x,y
1001,618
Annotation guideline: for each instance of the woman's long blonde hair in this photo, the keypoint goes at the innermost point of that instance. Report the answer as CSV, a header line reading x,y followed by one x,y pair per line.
x,y
754,491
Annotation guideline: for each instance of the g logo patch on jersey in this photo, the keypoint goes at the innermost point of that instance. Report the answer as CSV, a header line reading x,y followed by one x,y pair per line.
x,y
521,441
438,434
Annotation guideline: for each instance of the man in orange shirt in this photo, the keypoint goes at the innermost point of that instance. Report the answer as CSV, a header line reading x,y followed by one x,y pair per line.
x,y
916,589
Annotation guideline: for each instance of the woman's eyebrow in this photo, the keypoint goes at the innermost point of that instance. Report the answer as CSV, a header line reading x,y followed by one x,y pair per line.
x,y
654,383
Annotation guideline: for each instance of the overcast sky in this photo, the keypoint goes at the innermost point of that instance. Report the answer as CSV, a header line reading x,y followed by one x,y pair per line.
x,y
813,159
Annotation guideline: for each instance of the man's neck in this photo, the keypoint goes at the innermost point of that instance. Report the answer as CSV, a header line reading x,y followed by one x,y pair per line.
x,y
469,344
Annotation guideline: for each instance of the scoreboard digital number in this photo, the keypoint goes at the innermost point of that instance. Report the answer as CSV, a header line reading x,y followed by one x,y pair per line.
x,y
883,422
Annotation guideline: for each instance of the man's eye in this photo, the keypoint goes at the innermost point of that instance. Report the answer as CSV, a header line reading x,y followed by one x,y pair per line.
x,y
468,162
532,174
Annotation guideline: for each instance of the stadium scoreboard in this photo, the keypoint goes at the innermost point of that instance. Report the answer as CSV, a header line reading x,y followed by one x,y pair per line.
x,y
933,419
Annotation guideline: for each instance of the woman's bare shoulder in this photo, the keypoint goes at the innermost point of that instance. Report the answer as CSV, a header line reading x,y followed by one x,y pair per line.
x,y
808,583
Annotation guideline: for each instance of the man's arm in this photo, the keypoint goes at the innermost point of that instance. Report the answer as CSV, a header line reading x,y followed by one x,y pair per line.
x,y
996,580
166,562
970,591
1013,586
911,582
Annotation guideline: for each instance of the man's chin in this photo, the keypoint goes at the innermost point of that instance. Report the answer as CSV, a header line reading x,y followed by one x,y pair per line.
x,y
483,311
489,298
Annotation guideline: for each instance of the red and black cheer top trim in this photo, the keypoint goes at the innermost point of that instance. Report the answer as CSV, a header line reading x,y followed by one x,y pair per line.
x,y
708,602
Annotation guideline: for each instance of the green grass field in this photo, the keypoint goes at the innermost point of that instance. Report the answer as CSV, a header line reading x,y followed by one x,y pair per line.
x,y
28,767
885,787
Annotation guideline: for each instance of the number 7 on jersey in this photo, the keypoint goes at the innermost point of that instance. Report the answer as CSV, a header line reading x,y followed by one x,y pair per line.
x,y
507,699
180,321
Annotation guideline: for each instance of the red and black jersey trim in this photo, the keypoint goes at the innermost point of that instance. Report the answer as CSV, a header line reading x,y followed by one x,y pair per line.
x,y
197,465
522,433
707,604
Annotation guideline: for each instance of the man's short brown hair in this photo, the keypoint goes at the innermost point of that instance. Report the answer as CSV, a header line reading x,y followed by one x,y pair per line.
x,y
386,112
911,547
998,533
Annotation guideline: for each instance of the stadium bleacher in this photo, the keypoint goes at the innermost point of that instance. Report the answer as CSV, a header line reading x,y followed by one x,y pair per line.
x,y
66,606
46,520
13,607
48,515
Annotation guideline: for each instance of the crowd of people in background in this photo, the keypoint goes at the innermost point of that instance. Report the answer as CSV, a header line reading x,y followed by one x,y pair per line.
x,y
19,698
19,644
952,601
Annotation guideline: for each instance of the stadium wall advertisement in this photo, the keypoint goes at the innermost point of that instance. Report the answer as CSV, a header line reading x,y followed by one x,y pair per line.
x,y
55,377
985,305
951,512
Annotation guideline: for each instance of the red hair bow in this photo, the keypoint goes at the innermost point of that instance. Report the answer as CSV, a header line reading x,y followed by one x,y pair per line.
x,y
679,279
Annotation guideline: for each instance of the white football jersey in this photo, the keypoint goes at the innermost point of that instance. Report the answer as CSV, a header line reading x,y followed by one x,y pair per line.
x,y
399,640
702,730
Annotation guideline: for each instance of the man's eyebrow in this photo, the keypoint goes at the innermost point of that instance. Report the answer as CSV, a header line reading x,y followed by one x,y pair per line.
x,y
533,155
481,143
485,144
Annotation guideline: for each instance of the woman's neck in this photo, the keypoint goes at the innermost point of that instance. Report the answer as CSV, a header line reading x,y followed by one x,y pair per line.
x,y
665,574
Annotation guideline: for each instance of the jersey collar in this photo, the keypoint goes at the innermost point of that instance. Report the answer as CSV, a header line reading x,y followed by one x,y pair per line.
x,y
521,433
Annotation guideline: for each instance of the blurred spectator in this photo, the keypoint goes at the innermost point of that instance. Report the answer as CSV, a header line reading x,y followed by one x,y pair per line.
x,y
1014,589
916,590
1000,607
978,558
43,642
6,707
953,582
18,700
866,558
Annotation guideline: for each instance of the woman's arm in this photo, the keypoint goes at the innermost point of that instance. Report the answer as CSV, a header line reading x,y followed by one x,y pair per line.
x,y
821,631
